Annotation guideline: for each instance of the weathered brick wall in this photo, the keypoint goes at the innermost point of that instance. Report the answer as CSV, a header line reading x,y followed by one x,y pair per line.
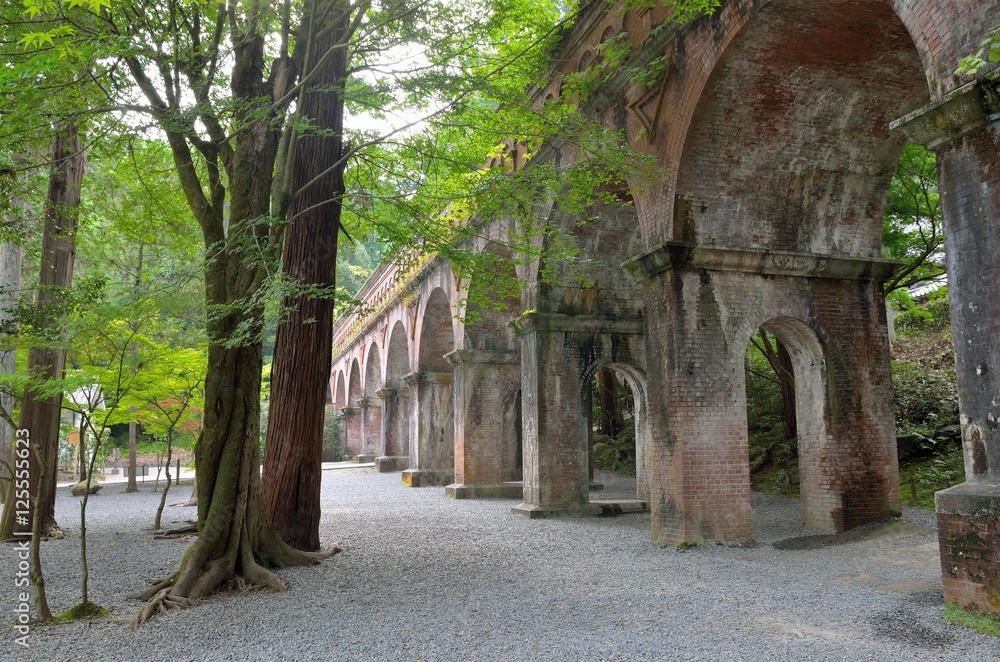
x,y
835,331
486,389
432,436
789,145
970,547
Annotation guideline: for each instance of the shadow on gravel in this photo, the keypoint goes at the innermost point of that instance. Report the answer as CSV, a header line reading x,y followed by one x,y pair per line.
x,y
889,530
904,625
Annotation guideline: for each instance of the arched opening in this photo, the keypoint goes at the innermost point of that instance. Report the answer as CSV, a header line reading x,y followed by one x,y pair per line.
x,y
354,384
772,428
351,423
371,406
437,337
396,394
619,428
432,440
809,457
492,301
340,400
373,371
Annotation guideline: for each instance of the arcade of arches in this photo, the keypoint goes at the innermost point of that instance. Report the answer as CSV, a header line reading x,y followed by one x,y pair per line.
x,y
777,124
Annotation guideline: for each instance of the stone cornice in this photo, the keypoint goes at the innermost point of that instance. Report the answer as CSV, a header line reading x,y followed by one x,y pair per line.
x,y
426,377
460,356
680,255
386,393
534,321
961,112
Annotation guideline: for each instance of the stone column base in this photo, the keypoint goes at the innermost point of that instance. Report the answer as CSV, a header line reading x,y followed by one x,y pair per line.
x,y
969,536
603,508
510,490
425,477
363,459
390,463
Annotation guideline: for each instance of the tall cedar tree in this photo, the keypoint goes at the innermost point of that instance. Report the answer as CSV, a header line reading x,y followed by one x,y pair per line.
x,y
40,409
303,351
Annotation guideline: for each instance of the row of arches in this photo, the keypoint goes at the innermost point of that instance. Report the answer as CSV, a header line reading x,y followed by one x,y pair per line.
x,y
771,129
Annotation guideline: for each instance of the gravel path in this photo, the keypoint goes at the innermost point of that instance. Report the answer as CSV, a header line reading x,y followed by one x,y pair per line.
x,y
424,577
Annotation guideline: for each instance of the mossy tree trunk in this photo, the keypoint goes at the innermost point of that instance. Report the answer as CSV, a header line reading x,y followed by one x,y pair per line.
x,y
235,541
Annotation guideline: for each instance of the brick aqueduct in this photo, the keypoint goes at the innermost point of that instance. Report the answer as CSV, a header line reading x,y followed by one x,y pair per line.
x,y
777,125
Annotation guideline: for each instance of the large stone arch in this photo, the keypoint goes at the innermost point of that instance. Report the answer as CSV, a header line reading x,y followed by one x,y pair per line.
x,y
781,173
791,137
432,442
437,335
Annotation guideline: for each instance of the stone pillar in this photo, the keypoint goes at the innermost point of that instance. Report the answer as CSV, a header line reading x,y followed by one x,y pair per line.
x,y
351,431
371,429
963,128
432,424
395,432
555,435
486,386
827,310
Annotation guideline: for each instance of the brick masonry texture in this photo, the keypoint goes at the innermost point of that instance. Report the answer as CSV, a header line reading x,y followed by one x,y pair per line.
x,y
770,124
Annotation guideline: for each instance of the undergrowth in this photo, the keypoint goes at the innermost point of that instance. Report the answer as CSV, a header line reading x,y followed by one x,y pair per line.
x,y
972,619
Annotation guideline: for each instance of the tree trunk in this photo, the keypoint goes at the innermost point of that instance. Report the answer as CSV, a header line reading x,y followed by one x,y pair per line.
x,y
786,380
302,356
10,285
781,363
40,415
610,422
235,540
163,497
133,448
131,486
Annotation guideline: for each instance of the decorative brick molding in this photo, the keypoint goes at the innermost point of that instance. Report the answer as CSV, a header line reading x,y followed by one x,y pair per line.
x,y
682,255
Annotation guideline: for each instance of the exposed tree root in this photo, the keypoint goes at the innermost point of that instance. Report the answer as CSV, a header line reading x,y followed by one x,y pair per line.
x,y
193,501
157,586
53,533
188,531
160,603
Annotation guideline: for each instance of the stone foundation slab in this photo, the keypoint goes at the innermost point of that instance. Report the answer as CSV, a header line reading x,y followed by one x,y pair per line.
x,y
510,490
425,478
390,463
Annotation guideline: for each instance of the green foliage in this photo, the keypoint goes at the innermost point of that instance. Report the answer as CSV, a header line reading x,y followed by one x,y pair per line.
x,y
931,474
332,447
616,454
911,228
985,623
773,459
989,51
934,315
